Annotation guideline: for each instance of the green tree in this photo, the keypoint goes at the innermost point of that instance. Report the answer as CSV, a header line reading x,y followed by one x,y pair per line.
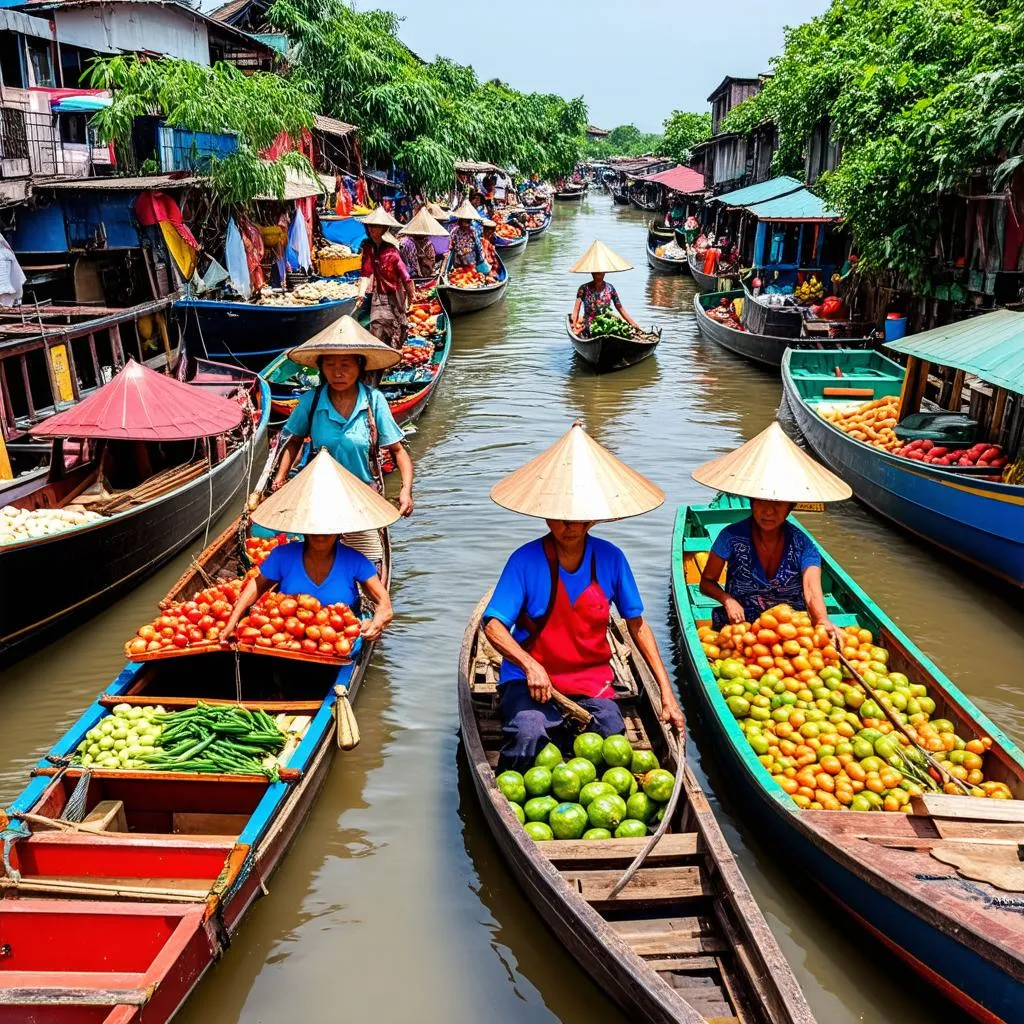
x,y
624,140
683,130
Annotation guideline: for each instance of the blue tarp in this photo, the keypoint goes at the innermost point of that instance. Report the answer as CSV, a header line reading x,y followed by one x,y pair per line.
x,y
80,105
343,231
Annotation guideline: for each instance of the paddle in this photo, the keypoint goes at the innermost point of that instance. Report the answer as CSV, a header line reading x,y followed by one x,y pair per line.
x,y
897,724
580,716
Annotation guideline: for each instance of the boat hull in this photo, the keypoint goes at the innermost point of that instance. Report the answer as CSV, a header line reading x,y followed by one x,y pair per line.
x,y
115,554
978,520
610,353
573,195
661,265
758,348
245,334
460,301
516,247
709,282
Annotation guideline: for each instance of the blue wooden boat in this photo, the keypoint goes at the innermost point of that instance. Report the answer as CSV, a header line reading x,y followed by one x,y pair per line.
x,y
543,212
962,935
148,905
979,520
247,334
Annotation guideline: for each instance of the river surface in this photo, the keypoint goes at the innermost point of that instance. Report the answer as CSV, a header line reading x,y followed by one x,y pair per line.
x,y
393,904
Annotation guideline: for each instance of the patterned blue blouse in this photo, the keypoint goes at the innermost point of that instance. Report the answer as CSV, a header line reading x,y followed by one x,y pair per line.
x,y
746,579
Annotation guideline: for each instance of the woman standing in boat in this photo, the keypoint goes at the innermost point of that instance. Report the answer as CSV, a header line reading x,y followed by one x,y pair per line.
x,y
393,290
597,296
466,248
549,614
322,503
344,415
767,560
417,249
487,242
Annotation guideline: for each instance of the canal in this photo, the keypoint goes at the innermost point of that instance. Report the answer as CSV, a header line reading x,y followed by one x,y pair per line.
x,y
393,904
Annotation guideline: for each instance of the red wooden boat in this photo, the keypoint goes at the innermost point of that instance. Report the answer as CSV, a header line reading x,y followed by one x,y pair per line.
x,y
119,925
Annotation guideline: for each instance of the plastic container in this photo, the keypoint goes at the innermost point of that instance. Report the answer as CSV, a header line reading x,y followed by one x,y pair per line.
x,y
949,428
339,267
895,327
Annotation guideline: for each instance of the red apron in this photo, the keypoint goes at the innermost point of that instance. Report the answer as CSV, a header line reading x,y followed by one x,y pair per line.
x,y
571,639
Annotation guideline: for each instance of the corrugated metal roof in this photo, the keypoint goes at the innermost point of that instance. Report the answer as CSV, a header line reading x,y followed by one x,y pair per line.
x,y
759,193
799,205
678,179
140,184
332,126
990,346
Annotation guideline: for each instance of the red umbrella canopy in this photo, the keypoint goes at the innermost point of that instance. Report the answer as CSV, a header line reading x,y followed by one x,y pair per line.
x,y
140,404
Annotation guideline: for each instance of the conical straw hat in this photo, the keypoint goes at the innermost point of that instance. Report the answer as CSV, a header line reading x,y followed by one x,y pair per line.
x,y
325,498
466,211
599,259
390,239
437,212
579,481
345,337
381,217
424,224
772,467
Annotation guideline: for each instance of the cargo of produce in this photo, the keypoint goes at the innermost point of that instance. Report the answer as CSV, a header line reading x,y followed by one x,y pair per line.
x,y
608,323
187,625
509,231
334,251
604,790
220,739
258,548
983,454
728,313
299,624
870,422
819,734
19,524
308,294
416,355
467,277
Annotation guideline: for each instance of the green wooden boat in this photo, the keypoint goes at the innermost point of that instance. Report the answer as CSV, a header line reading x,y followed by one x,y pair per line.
x,y
962,934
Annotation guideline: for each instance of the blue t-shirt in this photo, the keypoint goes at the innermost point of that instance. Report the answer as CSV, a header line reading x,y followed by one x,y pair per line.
x,y
525,587
284,566
347,440
745,576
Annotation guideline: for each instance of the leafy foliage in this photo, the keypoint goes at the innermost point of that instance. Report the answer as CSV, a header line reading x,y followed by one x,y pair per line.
x,y
257,108
920,94
422,116
683,130
624,140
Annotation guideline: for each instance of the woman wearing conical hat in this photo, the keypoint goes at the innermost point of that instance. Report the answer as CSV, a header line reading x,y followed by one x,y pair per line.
x,y
549,614
417,250
344,414
393,290
767,560
466,248
323,502
597,296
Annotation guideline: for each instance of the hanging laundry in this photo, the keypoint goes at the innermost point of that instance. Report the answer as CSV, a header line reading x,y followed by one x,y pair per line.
x,y
12,277
299,255
237,263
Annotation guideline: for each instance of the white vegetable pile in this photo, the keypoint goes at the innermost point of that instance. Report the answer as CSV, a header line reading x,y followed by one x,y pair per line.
x,y
335,251
309,294
19,524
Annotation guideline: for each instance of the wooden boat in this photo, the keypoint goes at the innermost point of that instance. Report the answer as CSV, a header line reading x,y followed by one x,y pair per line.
x,y
709,282
247,334
570,195
543,211
144,908
684,941
657,228
766,350
963,936
143,526
612,351
641,202
459,301
511,247
620,195
973,518
660,263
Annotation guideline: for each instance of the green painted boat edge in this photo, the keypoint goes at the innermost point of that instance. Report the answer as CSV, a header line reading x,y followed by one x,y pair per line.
x,y
876,619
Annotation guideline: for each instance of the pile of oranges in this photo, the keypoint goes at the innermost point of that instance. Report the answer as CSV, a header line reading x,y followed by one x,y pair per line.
x,y
822,738
871,422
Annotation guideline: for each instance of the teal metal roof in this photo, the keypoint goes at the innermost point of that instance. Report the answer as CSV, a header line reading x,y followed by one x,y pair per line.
x,y
989,346
760,192
799,205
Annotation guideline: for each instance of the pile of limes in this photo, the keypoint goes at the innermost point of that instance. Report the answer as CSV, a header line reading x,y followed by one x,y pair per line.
x,y
559,799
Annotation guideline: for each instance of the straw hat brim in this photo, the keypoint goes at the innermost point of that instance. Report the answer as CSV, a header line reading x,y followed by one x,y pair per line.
x,y
380,217
466,211
577,480
488,223
424,225
345,337
325,498
436,211
773,468
600,259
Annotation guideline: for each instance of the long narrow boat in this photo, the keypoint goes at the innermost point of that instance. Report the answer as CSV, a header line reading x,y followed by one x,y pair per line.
x,y
119,925
709,282
643,203
975,519
964,936
511,247
620,195
248,334
570,195
459,301
141,527
684,940
545,214
660,263
657,228
612,351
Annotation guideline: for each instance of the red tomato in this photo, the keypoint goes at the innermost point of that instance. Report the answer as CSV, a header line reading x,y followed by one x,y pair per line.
x,y
180,640
305,615
343,646
289,606
308,601
309,646
267,629
294,626
329,633
326,648
352,631
313,632
279,638
323,616
258,620
337,620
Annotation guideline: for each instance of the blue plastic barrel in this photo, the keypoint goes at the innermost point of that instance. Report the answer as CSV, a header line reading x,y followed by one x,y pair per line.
x,y
895,327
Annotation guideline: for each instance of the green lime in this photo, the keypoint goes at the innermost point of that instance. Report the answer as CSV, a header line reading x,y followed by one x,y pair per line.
x,y
643,762
621,780
584,768
537,781
590,746
606,812
511,786
592,790
539,808
538,831
565,783
548,757
630,828
597,833
617,752
568,821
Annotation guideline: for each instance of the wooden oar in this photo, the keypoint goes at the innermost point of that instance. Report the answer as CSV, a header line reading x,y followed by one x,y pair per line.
x,y
897,724
570,709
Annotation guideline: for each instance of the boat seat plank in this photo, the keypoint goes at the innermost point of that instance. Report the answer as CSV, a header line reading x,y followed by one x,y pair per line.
x,y
685,970
970,808
180,885
676,946
650,886
672,844
953,829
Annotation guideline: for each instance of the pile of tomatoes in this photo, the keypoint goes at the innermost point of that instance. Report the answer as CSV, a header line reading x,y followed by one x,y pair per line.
x,y
416,355
468,277
190,625
983,454
300,624
258,548
508,231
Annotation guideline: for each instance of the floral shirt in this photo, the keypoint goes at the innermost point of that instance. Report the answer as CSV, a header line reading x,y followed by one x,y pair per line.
x,y
466,248
596,301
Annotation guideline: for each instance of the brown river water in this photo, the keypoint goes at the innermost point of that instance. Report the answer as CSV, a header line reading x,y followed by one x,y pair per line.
x,y
394,904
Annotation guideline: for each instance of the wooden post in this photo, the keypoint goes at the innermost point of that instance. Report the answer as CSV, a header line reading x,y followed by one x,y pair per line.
x,y
914,383
998,411
95,359
115,346
956,391
161,326
28,389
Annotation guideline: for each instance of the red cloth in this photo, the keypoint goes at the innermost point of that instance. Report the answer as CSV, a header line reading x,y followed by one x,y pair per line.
x,y
153,207
710,261
385,265
254,249
572,644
